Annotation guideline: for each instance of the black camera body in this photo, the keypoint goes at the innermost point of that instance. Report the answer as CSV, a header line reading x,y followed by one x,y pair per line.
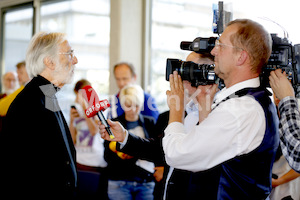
x,y
284,56
196,74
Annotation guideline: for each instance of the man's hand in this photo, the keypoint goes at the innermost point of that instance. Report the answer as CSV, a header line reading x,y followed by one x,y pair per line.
x,y
175,98
280,85
117,129
159,172
205,98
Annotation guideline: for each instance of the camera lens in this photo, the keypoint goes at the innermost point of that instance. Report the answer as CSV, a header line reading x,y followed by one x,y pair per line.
x,y
196,74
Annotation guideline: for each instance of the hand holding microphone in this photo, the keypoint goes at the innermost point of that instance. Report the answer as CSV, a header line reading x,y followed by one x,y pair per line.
x,y
95,107
118,130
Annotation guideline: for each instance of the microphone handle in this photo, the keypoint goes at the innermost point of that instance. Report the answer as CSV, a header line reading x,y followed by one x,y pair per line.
x,y
104,122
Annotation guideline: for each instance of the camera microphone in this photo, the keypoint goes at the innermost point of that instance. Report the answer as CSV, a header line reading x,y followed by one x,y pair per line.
x,y
184,45
96,107
199,45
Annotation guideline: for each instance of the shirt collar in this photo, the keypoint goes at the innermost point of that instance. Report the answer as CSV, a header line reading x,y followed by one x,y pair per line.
x,y
191,107
47,87
225,92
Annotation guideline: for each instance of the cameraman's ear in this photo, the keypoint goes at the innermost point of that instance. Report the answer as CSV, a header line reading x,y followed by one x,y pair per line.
x,y
242,58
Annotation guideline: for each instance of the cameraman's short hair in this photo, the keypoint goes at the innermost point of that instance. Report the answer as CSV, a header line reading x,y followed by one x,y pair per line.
x,y
132,94
129,65
42,45
253,38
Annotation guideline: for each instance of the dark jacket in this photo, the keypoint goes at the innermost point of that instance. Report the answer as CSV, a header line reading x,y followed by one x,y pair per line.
x,y
126,169
151,149
34,158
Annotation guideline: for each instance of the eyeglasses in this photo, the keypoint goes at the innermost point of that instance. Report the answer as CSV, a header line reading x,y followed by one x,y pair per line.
x,y
71,53
218,44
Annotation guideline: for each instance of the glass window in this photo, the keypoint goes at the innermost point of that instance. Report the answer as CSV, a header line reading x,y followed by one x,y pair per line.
x,y
17,34
173,22
87,25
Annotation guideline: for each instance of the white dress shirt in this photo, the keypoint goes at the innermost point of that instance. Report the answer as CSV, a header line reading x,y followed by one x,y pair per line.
x,y
233,128
190,121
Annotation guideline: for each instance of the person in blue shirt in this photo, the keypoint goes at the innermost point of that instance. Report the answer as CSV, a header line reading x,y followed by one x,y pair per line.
x,y
125,74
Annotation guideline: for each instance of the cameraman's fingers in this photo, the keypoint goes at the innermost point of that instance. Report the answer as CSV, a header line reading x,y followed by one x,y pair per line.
x,y
214,89
180,83
171,79
175,76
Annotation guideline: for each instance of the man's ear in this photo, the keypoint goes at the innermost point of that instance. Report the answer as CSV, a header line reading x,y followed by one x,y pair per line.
x,y
134,78
242,58
48,62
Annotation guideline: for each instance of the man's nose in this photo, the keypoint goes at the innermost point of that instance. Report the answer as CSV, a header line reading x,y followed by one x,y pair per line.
x,y
75,60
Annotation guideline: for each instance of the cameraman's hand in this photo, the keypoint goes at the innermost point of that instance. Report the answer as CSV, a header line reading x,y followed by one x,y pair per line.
x,y
116,128
280,85
175,98
205,98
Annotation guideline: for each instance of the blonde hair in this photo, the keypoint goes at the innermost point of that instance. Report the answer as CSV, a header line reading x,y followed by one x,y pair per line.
x,y
131,94
42,45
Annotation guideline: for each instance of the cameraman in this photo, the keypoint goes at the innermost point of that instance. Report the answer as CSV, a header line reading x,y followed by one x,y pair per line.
x,y
289,118
237,133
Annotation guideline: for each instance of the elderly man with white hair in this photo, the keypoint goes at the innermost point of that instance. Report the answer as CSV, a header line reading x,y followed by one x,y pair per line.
x,y
37,152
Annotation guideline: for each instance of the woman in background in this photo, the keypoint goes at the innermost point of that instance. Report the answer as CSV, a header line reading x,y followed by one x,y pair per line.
x,y
87,140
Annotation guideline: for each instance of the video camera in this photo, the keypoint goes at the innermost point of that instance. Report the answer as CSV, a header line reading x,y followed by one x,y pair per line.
x,y
197,74
284,56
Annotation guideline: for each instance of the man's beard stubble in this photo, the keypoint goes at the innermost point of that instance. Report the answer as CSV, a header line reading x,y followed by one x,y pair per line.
x,y
64,76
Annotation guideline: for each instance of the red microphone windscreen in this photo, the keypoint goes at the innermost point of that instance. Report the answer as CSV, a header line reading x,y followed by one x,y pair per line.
x,y
90,95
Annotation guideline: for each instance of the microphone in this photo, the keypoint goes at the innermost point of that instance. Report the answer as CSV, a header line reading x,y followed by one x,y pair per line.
x,y
96,107
184,45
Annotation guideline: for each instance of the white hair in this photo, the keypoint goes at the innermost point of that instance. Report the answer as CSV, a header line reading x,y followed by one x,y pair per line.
x,y
132,94
42,45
